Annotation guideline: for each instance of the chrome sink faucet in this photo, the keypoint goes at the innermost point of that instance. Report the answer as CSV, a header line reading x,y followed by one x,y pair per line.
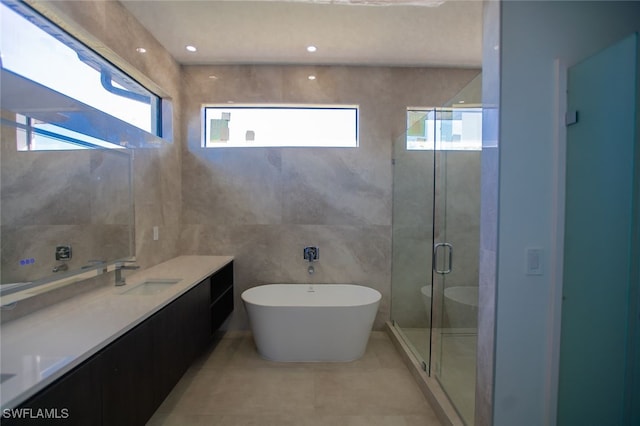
x,y
120,280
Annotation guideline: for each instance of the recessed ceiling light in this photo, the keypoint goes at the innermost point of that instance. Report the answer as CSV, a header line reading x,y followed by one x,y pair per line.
x,y
191,48
213,77
311,49
460,102
141,50
312,77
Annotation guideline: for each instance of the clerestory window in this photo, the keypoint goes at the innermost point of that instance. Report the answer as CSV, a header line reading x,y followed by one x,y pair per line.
x,y
280,126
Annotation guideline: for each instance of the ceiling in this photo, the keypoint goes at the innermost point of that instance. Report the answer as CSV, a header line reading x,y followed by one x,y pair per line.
x,y
346,32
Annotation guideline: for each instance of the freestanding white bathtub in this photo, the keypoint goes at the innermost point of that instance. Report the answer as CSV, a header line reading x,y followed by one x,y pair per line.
x,y
311,323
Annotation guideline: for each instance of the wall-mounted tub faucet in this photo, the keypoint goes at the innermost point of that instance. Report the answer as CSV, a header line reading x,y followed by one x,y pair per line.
x,y
312,254
60,268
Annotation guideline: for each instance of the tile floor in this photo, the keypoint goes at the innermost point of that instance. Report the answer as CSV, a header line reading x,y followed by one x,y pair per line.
x,y
231,385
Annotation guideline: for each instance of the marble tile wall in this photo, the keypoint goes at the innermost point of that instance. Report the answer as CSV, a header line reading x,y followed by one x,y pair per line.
x,y
263,205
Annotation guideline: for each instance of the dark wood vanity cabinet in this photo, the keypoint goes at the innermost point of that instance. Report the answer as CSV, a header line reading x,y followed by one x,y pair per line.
x,y
126,373
168,349
221,296
197,328
127,381
69,401
180,333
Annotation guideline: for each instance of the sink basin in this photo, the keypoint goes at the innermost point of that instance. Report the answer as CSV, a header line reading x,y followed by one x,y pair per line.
x,y
151,286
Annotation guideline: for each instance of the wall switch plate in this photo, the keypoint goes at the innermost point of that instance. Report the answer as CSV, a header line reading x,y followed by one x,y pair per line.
x,y
156,233
533,261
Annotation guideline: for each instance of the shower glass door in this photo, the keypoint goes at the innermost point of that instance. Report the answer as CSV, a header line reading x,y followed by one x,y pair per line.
x,y
436,238
413,234
456,221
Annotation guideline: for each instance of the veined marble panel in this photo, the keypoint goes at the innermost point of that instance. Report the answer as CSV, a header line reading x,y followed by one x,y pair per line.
x,y
111,188
232,83
335,187
42,188
232,186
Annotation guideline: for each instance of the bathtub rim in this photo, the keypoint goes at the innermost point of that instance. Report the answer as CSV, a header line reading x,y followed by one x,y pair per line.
x,y
372,295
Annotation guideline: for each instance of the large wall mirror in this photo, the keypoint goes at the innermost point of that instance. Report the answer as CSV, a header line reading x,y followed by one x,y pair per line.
x,y
61,211
70,121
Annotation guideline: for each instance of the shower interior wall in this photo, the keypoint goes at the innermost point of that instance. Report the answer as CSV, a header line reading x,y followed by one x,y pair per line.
x,y
413,226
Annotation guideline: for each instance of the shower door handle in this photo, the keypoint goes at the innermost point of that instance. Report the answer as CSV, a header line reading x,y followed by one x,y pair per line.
x,y
448,248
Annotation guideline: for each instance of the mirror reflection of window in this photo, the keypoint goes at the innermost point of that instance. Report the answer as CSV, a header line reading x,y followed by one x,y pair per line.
x,y
36,135
37,50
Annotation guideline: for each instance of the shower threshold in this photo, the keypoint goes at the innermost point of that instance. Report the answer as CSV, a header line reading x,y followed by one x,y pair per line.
x,y
429,386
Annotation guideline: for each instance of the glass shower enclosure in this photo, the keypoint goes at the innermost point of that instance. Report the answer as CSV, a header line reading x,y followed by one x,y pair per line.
x,y
436,217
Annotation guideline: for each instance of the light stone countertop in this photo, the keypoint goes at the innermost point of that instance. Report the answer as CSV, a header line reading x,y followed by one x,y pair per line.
x,y
41,347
